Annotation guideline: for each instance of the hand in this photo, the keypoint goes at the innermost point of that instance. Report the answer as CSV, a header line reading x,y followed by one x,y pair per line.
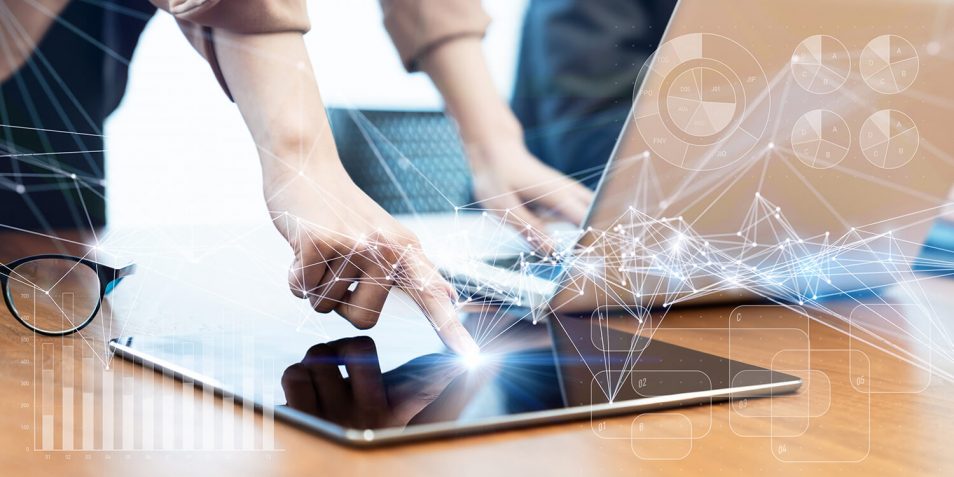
x,y
366,399
507,178
515,184
349,253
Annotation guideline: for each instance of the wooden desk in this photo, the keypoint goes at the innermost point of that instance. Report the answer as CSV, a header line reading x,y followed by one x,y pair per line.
x,y
860,412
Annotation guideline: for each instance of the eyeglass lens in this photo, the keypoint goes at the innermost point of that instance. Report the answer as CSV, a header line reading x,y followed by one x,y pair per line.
x,y
54,295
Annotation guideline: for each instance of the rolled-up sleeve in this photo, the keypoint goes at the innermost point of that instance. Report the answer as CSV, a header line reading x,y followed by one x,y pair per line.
x,y
199,19
418,26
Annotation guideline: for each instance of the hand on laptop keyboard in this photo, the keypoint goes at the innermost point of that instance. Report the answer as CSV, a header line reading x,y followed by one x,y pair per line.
x,y
515,184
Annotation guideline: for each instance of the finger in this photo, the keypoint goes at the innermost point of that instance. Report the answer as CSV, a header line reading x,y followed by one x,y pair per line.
x,y
376,263
567,205
434,296
360,358
339,275
566,196
311,260
296,280
307,269
418,383
581,192
329,386
518,216
362,307
299,390
529,225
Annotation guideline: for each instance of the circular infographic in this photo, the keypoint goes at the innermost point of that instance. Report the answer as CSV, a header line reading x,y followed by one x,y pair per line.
x,y
701,91
889,139
821,139
821,64
889,64
701,112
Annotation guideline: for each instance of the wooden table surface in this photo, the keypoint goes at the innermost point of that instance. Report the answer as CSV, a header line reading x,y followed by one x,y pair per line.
x,y
861,411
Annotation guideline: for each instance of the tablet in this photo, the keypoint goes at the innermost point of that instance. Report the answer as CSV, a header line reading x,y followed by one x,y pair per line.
x,y
391,388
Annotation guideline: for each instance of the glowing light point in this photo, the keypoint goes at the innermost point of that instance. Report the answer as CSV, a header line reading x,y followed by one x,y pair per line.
x,y
472,360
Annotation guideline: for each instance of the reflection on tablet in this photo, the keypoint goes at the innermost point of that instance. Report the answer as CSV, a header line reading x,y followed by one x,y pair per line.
x,y
360,390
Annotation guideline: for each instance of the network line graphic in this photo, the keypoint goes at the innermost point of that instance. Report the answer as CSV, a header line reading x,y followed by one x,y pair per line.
x,y
715,122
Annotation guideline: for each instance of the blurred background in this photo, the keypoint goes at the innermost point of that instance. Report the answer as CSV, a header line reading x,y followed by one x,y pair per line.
x,y
178,151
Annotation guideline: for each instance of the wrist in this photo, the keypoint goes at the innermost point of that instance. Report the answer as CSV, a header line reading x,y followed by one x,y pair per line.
x,y
286,184
489,125
293,157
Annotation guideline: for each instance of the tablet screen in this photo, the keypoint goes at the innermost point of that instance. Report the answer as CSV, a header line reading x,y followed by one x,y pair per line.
x,y
374,383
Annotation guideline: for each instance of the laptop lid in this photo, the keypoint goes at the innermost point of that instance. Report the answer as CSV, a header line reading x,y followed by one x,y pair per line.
x,y
775,150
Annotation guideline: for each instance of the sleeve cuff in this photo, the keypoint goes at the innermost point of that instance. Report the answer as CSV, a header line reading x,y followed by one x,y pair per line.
x,y
419,26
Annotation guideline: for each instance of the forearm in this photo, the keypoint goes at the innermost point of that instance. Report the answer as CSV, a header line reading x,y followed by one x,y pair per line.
x,y
460,72
22,25
273,84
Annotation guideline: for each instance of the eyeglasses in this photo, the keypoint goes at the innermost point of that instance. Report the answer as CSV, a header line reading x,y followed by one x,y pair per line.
x,y
55,295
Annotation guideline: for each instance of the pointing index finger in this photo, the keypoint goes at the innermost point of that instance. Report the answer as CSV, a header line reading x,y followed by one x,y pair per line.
x,y
434,296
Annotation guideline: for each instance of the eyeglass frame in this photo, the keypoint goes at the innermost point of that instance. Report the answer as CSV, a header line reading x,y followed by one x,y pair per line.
x,y
108,278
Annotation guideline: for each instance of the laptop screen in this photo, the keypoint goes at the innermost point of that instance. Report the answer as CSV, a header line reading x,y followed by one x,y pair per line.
x,y
757,155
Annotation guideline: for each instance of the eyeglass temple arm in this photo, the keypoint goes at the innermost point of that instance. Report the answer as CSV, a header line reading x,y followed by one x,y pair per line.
x,y
119,275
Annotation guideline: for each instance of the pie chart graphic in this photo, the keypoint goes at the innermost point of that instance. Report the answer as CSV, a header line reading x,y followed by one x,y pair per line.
x,y
889,139
821,139
889,64
821,64
702,104
701,111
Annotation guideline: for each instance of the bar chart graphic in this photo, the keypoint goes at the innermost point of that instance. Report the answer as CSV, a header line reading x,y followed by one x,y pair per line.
x,y
83,403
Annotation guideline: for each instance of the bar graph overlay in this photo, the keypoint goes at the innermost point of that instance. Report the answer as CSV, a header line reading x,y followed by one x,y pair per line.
x,y
83,403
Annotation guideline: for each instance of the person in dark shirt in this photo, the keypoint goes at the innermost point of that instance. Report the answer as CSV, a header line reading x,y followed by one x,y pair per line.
x,y
578,65
52,111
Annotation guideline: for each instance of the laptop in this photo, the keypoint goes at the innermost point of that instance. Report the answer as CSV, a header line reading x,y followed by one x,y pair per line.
x,y
794,170
725,184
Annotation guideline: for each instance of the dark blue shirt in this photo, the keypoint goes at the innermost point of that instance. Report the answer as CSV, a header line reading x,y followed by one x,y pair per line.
x,y
578,64
52,113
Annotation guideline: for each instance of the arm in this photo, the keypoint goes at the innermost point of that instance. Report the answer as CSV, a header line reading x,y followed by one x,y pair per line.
x,y
506,176
22,26
338,234
442,38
